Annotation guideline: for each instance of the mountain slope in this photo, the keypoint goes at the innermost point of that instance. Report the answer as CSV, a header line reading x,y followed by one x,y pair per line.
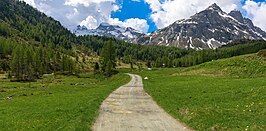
x,y
210,28
122,33
250,65
32,44
20,20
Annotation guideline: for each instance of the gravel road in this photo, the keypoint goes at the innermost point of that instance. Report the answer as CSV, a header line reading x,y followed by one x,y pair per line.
x,y
130,108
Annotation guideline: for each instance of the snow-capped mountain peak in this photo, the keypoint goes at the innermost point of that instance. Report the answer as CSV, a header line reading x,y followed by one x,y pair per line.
x,y
214,7
210,28
104,29
79,27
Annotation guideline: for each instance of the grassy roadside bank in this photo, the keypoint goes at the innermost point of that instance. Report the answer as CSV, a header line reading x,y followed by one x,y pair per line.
x,y
232,99
63,103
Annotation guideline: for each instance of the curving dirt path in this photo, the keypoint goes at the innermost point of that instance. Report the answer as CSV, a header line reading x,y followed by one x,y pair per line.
x,y
130,108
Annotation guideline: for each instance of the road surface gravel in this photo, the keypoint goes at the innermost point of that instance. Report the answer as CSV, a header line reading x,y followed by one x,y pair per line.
x,y
130,108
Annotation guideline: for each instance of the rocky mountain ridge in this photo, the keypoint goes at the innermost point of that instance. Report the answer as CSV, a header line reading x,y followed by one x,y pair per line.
x,y
210,28
123,33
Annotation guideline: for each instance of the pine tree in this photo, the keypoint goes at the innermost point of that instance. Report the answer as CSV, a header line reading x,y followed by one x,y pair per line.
x,y
108,68
71,65
108,58
64,63
29,71
16,63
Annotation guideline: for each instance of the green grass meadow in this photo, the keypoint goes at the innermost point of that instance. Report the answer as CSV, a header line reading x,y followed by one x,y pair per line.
x,y
227,94
214,95
54,103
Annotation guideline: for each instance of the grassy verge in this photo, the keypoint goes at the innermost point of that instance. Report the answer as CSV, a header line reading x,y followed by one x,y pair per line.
x,y
60,103
233,99
246,66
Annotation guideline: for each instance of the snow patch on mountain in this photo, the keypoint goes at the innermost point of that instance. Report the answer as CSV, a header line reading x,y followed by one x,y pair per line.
x,y
210,28
123,33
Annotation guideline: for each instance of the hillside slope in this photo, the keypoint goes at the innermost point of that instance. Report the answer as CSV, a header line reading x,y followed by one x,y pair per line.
x,y
227,94
21,21
33,44
245,66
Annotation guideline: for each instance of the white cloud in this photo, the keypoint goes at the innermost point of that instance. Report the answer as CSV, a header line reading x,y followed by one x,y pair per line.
x,y
167,12
90,22
74,12
30,2
138,24
85,2
155,5
90,13
256,12
136,0
135,23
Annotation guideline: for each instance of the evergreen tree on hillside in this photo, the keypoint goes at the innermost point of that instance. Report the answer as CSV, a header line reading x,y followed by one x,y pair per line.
x,y
67,65
108,68
29,71
16,64
108,58
18,19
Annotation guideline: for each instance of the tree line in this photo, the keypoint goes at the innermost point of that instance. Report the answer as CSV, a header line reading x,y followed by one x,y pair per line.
x,y
206,55
26,63
161,56
127,52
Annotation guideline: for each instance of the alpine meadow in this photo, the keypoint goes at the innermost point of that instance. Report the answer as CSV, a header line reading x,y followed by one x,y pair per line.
x,y
106,66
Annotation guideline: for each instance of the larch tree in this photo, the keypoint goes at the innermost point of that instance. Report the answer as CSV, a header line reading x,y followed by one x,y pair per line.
x,y
108,58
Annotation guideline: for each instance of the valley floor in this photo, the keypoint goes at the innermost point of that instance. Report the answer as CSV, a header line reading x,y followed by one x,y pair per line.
x,y
226,94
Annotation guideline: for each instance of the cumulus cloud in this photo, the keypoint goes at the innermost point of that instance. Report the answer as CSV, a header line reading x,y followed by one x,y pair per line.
x,y
30,2
135,23
90,13
166,12
90,22
256,11
155,5
85,2
138,24
136,0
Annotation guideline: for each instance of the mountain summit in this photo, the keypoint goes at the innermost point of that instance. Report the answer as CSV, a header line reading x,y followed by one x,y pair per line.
x,y
214,7
123,33
210,28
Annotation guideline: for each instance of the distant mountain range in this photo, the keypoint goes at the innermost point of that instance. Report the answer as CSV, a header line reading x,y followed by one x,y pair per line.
x,y
210,28
123,33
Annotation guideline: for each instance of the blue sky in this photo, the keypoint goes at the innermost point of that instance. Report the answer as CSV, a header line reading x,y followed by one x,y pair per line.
x,y
140,9
143,15
133,9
